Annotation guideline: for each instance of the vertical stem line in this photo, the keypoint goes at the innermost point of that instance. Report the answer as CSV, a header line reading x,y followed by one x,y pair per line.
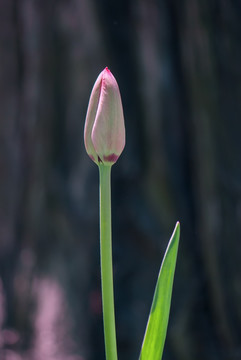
x,y
106,263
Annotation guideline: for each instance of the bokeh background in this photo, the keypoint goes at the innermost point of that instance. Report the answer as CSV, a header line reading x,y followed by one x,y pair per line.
x,y
178,65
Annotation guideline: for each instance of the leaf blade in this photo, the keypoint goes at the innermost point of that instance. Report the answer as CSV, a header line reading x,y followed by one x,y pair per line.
x,y
155,334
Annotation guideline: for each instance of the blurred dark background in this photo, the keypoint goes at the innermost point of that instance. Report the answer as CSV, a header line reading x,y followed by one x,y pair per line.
x,y
178,65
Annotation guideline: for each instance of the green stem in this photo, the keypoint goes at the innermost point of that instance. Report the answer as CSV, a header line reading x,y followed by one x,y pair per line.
x,y
106,263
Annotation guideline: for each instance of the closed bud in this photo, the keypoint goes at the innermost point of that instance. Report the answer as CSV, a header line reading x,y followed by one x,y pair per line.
x,y
104,132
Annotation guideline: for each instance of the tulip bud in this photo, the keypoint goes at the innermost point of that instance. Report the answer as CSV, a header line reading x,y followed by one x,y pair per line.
x,y
104,132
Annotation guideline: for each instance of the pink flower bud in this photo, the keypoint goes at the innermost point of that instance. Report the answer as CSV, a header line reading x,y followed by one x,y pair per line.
x,y
104,132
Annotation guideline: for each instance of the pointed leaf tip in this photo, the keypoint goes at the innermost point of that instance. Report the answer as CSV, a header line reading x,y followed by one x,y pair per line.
x,y
155,335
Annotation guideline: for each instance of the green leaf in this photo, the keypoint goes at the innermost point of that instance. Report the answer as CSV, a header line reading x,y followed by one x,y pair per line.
x,y
155,335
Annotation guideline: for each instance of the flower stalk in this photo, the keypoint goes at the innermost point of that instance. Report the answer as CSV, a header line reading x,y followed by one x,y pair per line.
x,y
106,262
